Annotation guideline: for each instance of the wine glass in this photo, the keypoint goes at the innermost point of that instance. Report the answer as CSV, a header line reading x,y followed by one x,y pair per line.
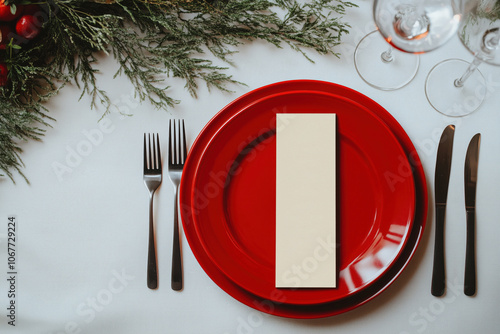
x,y
455,87
410,27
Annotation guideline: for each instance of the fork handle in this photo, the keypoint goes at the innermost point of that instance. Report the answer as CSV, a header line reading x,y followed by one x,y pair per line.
x,y
152,265
176,251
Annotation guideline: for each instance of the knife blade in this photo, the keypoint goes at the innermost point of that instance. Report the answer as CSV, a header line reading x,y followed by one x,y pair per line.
x,y
441,181
470,181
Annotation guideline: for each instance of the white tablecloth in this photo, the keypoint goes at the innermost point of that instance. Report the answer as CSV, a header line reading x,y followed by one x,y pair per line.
x,y
81,233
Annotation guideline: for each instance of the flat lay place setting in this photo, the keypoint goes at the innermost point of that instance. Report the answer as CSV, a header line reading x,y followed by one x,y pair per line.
x,y
237,166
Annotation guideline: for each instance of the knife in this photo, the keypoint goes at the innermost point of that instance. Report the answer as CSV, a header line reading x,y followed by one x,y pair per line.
x,y
441,180
470,173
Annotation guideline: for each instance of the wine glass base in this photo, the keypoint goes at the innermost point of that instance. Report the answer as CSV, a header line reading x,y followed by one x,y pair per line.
x,y
381,74
449,99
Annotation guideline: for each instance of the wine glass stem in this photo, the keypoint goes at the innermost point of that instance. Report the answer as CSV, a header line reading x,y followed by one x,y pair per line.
x,y
472,67
387,56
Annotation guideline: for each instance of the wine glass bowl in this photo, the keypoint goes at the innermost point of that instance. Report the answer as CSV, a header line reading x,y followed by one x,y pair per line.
x,y
416,26
411,27
455,87
479,30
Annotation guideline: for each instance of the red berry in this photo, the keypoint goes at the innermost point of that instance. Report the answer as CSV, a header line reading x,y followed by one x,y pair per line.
x,y
28,26
36,11
3,74
5,31
6,13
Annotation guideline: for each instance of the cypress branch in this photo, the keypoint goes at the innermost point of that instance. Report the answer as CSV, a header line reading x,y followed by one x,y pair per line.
x,y
151,40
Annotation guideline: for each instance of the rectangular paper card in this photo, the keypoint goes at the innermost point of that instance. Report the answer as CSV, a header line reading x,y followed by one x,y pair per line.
x,y
305,201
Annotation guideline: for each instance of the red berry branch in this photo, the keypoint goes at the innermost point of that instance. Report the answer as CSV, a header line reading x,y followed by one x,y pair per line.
x,y
18,25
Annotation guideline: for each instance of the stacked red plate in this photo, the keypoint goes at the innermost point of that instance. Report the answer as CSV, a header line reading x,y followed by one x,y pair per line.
x,y
227,198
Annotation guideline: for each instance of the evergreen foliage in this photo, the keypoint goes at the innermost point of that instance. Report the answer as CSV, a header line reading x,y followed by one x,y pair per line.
x,y
151,40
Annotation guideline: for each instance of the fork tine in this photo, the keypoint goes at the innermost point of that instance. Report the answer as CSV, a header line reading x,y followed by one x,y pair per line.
x,y
155,154
176,150
170,142
150,152
158,152
184,146
145,154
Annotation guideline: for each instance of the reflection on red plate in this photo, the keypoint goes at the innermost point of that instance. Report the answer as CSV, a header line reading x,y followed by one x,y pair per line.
x,y
236,225
249,241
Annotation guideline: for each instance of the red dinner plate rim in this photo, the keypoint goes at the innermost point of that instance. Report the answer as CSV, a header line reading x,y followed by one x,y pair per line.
x,y
344,305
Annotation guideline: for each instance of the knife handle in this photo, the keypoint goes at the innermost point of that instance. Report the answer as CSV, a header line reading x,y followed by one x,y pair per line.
x,y
470,255
438,274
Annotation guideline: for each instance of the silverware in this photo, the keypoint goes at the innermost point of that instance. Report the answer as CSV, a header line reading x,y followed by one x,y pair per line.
x,y
441,180
177,152
470,176
152,179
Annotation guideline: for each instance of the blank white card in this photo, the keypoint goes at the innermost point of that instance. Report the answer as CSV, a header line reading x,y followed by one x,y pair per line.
x,y
305,200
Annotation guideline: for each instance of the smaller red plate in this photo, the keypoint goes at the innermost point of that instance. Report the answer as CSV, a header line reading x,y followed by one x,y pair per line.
x,y
236,178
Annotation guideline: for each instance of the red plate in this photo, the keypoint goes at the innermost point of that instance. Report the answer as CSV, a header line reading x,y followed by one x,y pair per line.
x,y
237,175
199,201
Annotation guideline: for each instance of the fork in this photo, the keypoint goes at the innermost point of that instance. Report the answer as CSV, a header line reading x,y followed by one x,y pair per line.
x,y
152,179
177,153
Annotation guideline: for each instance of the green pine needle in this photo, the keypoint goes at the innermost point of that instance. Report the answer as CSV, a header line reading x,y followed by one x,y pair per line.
x,y
151,40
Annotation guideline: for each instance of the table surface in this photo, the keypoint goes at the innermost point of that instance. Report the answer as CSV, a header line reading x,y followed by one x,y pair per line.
x,y
82,220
